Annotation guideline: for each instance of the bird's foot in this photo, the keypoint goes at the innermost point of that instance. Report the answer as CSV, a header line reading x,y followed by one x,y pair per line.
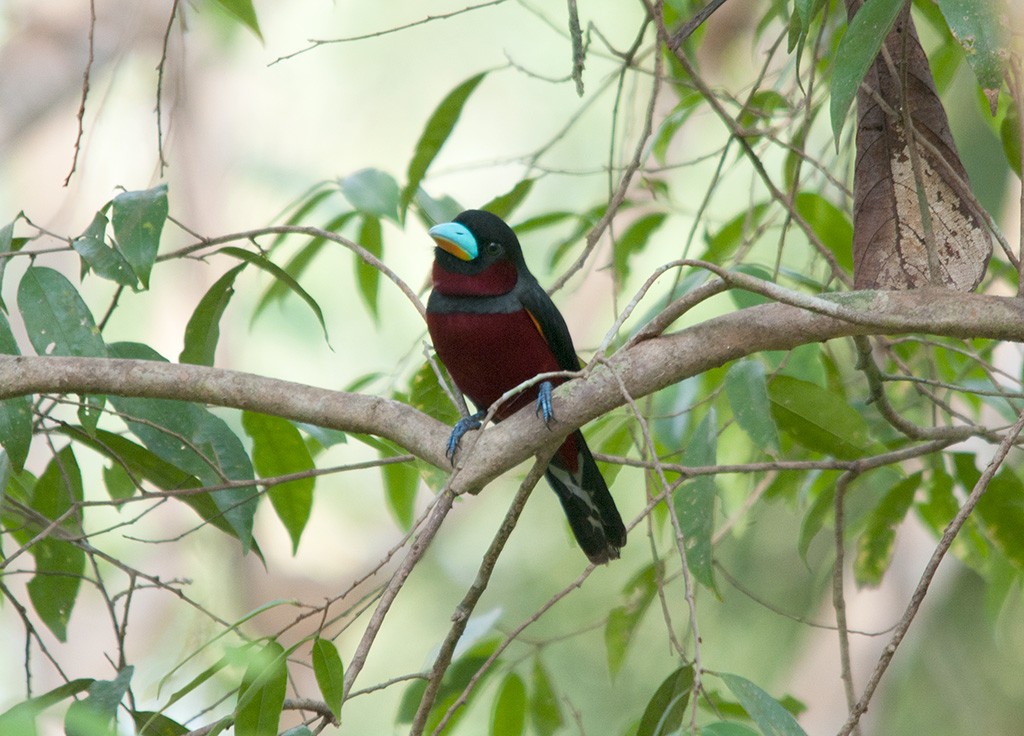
x,y
544,408
461,427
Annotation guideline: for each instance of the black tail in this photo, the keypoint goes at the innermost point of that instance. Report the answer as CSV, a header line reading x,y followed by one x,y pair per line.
x,y
593,517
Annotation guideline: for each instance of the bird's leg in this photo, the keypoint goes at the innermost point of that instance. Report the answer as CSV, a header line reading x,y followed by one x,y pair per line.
x,y
461,427
544,409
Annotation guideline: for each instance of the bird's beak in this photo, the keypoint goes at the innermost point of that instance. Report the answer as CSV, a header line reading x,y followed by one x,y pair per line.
x,y
456,239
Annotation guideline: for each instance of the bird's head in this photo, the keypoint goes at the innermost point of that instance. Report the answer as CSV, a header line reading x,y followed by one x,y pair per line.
x,y
474,241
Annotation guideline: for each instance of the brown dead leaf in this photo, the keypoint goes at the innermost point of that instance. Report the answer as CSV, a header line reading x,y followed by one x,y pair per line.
x,y
915,223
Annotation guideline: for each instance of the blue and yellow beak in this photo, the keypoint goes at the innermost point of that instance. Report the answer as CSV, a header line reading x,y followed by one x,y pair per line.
x,y
455,238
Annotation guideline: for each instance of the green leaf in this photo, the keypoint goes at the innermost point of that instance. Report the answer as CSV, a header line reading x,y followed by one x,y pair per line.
x,y
747,391
504,205
150,723
265,264
695,502
857,51
211,451
60,565
818,419
623,620
243,11
1009,134
278,449
57,320
15,412
545,714
368,277
330,674
118,484
977,28
455,680
769,714
667,707
634,240
8,244
20,719
439,126
509,716
95,714
203,329
138,219
426,394
875,546
261,695
1001,508
145,465
100,257
830,223
297,265
372,192
401,481
734,233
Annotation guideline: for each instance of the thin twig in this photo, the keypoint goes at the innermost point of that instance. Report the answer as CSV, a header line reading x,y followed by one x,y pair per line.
x,y
85,91
460,618
317,42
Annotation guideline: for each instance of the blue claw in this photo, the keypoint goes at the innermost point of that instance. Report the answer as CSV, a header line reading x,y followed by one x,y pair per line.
x,y
544,409
461,427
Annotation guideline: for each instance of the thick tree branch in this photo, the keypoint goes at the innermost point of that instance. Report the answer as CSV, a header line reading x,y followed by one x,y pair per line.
x,y
644,367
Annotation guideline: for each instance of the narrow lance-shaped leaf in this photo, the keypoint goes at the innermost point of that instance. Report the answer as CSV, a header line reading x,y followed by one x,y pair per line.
x,y
278,449
298,264
875,546
368,277
283,277
695,502
100,257
202,332
20,719
244,12
373,192
545,715
138,219
817,418
634,240
15,412
439,126
56,318
505,204
747,391
261,695
623,620
509,716
8,244
210,451
59,564
95,714
768,713
667,707
857,50
330,674
401,482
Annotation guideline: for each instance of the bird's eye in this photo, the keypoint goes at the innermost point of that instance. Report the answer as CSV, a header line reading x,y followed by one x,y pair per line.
x,y
493,249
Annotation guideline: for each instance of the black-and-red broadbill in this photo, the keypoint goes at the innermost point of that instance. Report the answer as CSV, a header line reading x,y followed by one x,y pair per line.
x,y
495,328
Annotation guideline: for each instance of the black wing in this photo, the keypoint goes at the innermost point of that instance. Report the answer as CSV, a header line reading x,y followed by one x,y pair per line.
x,y
550,321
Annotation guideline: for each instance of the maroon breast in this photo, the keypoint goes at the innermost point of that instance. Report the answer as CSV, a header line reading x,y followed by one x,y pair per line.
x,y
488,354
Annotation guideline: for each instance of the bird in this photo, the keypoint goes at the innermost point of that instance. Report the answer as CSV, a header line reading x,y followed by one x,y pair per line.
x,y
494,328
